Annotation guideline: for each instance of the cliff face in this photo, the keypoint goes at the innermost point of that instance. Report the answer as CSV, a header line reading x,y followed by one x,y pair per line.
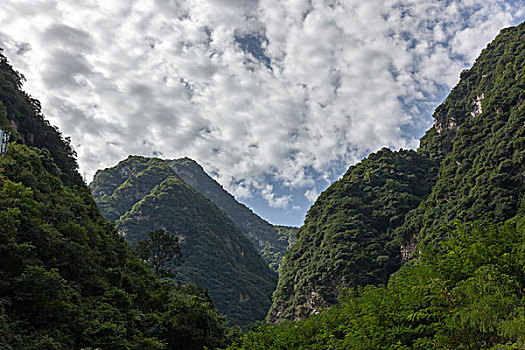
x,y
145,194
481,150
347,238
471,163
269,240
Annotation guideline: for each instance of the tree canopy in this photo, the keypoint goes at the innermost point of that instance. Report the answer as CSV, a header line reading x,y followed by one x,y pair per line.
x,y
68,279
161,251
463,293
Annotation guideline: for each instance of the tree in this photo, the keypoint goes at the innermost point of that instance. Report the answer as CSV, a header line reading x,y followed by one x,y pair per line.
x,y
162,252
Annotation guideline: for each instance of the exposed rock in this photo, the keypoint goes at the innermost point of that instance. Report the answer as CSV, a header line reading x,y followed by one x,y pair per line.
x,y
408,251
243,298
440,122
477,106
14,124
315,303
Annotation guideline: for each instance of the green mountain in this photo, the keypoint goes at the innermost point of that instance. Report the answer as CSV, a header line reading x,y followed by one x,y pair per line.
x,y
146,194
68,280
463,285
470,164
479,138
348,235
24,119
269,240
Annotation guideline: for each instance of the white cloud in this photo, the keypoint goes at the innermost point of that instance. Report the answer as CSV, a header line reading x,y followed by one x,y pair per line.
x,y
273,200
311,195
151,76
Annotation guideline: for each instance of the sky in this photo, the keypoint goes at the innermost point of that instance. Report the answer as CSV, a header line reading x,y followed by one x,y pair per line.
x,y
274,98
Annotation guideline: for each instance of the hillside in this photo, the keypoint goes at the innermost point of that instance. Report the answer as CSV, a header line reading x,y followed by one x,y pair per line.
x,y
270,241
464,294
470,164
68,280
479,136
463,286
347,238
24,119
145,194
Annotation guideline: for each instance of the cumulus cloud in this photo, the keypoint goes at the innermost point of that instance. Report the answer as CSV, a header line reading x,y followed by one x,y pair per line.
x,y
270,96
311,195
273,200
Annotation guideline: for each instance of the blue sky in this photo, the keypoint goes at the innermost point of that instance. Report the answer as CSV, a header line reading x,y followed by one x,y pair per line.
x,y
274,98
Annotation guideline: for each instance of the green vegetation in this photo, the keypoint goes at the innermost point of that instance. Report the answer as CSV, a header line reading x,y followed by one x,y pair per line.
x,y
68,280
161,251
471,163
466,293
347,238
21,116
482,154
269,240
145,194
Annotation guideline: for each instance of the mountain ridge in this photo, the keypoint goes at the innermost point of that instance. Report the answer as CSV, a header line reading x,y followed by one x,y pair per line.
x,y
147,194
271,241
473,159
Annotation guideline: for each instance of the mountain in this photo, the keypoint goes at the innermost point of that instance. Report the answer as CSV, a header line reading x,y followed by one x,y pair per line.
x,y
348,235
146,194
463,281
470,164
68,280
479,138
269,240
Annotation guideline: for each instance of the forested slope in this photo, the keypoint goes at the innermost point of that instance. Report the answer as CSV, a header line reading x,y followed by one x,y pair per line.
x,y
479,136
22,116
463,287
68,280
269,240
347,238
145,194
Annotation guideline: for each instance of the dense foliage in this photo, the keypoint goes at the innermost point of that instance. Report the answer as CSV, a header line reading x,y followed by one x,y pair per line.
x,y
145,194
481,143
161,251
269,240
347,238
68,280
471,162
466,293
22,117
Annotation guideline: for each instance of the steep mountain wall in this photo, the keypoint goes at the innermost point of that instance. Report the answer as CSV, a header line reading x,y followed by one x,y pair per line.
x,y
347,238
269,240
145,194
479,136
471,163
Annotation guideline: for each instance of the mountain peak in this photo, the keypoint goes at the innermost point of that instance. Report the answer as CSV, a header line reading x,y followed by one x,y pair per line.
x,y
271,241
